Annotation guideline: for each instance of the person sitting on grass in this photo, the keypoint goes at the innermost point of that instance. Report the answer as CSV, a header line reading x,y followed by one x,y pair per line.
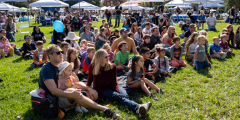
x,y
176,51
191,46
122,57
224,45
147,29
164,30
131,35
146,43
103,75
107,47
200,58
88,60
72,58
39,55
5,47
211,21
47,81
101,38
136,78
37,35
28,47
64,47
150,74
112,39
215,49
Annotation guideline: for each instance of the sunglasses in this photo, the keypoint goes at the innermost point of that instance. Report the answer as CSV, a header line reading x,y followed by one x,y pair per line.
x,y
4,33
4,39
28,38
107,56
59,52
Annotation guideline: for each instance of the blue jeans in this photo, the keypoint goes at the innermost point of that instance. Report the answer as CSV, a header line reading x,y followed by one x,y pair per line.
x,y
167,50
181,36
231,21
109,20
34,65
10,36
117,20
29,57
121,97
200,65
209,28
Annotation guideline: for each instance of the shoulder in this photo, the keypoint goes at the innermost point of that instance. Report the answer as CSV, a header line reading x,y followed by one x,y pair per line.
x,y
166,58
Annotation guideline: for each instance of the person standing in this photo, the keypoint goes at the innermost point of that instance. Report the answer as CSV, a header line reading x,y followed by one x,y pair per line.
x,y
108,14
118,10
232,14
161,8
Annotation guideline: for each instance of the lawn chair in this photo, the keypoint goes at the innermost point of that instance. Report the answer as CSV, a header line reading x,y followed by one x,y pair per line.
x,y
22,32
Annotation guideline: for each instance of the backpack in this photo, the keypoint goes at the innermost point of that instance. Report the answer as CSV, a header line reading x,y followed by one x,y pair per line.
x,y
82,55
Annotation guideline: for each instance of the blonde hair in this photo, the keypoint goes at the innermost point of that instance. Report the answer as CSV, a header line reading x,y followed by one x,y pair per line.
x,y
201,37
96,29
202,32
97,60
82,42
214,38
201,12
169,32
106,45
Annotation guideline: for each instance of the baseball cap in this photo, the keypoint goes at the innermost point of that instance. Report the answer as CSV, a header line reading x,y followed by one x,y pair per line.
x,y
192,26
123,30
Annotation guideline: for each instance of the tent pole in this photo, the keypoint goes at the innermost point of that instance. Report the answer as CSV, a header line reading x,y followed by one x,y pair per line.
x,y
28,18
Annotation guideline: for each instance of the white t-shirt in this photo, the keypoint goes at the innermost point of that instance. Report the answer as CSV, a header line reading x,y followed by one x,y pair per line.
x,y
75,45
148,31
192,47
137,37
211,20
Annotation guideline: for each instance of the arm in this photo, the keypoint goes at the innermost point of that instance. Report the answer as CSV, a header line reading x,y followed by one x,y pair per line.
x,y
129,81
172,53
195,58
155,68
165,37
207,59
167,64
35,60
134,50
119,63
113,47
185,39
188,52
102,39
183,32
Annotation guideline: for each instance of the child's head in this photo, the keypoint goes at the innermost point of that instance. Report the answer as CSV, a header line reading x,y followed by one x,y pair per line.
x,y
103,31
137,61
131,35
83,43
216,40
147,25
203,32
103,21
39,44
112,38
95,30
4,39
27,38
192,38
72,56
176,40
107,47
147,38
122,46
91,52
145,52
65,69
64,46
160,51
139,30
224,37
164,28
201,39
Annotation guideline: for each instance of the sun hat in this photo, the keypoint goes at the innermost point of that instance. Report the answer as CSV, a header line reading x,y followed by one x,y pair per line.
x,y
71,36
63,66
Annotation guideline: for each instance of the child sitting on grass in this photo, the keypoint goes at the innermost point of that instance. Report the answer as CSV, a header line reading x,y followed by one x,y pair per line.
x,y
109,51
112,38
88,60
67,81
162,61
224,45
164,30
190,46
215,49
83,45
39,55
146,43
200,58
96,33
5,47
136,79
64,47
150,74
122,57
176,51
28,47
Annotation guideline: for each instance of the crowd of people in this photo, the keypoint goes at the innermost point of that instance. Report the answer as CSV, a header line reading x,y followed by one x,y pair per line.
x,y
102,54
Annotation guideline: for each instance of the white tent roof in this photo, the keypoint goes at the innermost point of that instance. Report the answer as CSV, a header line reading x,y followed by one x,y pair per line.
x,y
212,5
49,3
84,5
109,8
148,8
148,0
203,1
35,8
184,7
5,6
11,10
177,3
14,0
132,7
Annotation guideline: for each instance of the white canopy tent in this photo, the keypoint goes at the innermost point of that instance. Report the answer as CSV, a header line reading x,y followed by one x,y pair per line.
x,y
85,5
49,3
36,8
177,3
11,10
148,0
109,8
132,7
203,1
184,7
5,6
212,5
92,8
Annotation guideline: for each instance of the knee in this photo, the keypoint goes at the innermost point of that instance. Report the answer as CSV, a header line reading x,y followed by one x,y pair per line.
x,y
175,63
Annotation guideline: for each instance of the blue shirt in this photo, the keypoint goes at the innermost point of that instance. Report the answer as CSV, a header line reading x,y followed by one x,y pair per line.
x,y
48,71
201,17
137,75
215,47
147,63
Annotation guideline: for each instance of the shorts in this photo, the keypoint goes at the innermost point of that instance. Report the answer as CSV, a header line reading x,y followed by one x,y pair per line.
x,y
201,21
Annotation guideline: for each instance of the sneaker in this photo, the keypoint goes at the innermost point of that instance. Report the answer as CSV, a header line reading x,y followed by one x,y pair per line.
x,y
153,96
83,109
78,109
161,91
143,109
112,114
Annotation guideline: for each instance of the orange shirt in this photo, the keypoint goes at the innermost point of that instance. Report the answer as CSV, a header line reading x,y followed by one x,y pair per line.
x,y
130,44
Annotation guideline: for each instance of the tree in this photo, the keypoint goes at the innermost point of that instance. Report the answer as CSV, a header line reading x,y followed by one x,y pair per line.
x,y
230,3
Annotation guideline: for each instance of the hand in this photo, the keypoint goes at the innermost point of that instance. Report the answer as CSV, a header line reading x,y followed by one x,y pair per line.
x,y
67,85
150,74
165,73
92,94
194,65
235,45
75,78
76,94
208,62
44,41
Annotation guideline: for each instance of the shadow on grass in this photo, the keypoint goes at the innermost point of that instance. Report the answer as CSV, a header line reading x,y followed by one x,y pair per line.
x,y
19,59
205,72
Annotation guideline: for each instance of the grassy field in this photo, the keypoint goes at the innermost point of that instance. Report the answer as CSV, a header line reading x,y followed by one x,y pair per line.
x,y
190,94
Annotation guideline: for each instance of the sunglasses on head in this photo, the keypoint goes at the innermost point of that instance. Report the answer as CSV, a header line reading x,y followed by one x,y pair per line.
x,y
107,56
59,52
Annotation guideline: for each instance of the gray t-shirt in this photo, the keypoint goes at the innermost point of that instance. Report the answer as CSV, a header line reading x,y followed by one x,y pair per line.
x,y
162,63
88,37
81,30
176,52
200,53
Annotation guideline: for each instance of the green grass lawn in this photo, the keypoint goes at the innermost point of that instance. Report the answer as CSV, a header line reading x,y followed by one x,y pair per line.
x,y
190,94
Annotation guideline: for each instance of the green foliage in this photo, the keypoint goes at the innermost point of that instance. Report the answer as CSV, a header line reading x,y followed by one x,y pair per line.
x,y
190,94
230,3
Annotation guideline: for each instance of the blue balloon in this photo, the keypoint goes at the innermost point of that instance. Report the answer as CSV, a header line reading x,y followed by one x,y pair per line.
x,y
58,26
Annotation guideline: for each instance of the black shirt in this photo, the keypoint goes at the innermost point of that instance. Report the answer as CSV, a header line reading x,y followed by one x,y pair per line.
x,y
187,34
165,22
233,12
101,27
38,36
118,12
185,27
190,16
161,7
57,36
144,44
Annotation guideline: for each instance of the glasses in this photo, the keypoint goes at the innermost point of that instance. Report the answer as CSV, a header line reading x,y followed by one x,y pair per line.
x,y
4,39
28,38
107,56
4,33
59,52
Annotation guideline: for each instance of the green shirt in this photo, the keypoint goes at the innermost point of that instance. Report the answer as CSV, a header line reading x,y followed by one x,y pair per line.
x,y
76,19
121,57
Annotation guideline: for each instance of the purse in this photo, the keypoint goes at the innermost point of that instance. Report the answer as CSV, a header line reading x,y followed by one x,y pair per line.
x,y
230,16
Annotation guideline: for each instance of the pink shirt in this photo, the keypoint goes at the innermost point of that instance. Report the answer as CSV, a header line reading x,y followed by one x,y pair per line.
x,y
6,48
111,56
62,81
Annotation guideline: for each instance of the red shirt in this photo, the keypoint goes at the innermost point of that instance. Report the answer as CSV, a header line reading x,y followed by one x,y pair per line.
x,y
153,14
86,64
103,81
